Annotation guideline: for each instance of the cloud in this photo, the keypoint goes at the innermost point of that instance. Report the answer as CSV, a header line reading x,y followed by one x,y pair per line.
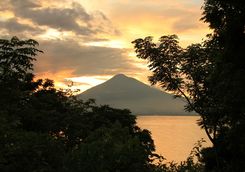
x,y
181,25
73,83
83,60
61,19
13,26
72,18
68,31
172,16
187,22
5,5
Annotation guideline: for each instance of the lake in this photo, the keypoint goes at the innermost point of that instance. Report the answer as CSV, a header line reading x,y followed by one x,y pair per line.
x,y
174,136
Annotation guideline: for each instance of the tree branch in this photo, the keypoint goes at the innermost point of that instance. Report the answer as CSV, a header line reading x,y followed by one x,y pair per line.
x,y
202,116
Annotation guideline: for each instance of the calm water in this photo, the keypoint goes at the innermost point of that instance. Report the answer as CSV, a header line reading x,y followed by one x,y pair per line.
x,y
174,136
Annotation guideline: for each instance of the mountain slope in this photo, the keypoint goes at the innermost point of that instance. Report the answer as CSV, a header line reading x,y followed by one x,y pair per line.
x,y
125,92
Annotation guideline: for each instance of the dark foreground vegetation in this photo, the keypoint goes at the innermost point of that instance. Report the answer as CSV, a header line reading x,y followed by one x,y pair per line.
x,y
211,77
43,129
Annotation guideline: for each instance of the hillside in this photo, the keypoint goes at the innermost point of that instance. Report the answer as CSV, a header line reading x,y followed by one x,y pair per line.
x,y
124,92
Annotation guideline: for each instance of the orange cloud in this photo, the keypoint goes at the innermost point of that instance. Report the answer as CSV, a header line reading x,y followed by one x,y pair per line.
x,y
90,38
140,18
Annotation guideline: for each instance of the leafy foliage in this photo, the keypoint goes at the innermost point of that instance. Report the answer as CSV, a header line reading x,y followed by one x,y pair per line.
x,y
181,71
210,76
44,129
191,164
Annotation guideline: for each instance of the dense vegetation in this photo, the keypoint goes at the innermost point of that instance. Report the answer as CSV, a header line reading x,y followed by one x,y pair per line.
x,y
44,129
210,76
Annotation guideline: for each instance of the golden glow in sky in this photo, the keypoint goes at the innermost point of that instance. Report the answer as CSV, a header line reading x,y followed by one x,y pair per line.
x,y
83,83
111,44
89,41
51,34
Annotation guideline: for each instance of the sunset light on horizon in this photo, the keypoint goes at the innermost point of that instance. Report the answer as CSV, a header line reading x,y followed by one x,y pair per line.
x,y
88,42
122,85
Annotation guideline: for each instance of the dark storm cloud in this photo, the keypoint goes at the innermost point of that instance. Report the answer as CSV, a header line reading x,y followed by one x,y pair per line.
x,y
84,60
74,18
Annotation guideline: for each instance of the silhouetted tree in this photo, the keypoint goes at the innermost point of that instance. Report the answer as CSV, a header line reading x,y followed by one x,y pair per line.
x,y
181,71
21,148
210,76
227,19
45,129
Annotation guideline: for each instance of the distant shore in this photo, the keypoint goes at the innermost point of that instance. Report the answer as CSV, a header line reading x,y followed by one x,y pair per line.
x,y
166,115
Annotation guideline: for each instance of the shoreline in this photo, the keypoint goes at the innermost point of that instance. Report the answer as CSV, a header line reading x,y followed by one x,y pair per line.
x,y
166,115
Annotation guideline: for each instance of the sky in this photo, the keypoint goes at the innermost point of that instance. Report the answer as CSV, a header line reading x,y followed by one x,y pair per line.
x,y
86,42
